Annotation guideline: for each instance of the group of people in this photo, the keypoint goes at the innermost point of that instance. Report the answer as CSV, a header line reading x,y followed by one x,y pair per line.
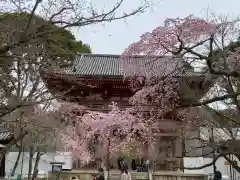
x,y
127,176
122,165
141,166
124,176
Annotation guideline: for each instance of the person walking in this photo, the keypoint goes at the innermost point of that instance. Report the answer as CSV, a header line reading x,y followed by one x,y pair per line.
x,y
147,163
100,176
126,175
134,164
124,166
217,175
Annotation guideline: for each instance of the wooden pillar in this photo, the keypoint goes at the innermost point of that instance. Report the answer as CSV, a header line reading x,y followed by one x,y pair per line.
x,y
147,150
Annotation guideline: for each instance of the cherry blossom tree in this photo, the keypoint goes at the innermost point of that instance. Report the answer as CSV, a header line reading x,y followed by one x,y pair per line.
x,y
209,46
114,131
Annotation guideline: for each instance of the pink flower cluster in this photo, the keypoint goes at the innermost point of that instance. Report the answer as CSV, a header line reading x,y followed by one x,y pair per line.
x,y
120,127
164,39
156,99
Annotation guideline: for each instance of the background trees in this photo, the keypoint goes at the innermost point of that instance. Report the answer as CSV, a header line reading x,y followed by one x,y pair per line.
x,y
20,81
36,35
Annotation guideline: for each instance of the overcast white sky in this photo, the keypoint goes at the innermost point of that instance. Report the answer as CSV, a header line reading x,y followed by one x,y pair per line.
x,y
114,37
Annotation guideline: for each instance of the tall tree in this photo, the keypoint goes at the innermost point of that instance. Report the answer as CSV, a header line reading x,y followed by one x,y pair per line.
x,y
200,43
20,70
21,84
40,23
61,45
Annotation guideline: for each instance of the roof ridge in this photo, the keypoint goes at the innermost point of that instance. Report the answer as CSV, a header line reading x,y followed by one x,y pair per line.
x,y
110,64
99,55
119,55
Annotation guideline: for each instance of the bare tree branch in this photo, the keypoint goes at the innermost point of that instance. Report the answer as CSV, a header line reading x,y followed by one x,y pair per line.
x,y
215,99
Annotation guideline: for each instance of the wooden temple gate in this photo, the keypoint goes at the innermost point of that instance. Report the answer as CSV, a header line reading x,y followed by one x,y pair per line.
x,y
96,80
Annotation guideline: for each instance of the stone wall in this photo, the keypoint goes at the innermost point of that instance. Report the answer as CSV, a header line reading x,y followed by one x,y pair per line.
x,y
88,175
82,175
177,176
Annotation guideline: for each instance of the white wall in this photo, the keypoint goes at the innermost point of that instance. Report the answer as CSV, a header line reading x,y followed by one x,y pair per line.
x,y
44,164
193,162
197,162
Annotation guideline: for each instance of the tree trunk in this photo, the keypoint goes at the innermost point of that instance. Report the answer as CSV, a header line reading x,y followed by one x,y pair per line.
x,y
20,148
35,170
108,158
31,154
17,160
9,145
108,154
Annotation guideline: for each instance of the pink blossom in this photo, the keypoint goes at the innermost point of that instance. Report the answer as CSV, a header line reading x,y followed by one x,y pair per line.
x,y
156,78
122,128
152,101
165,38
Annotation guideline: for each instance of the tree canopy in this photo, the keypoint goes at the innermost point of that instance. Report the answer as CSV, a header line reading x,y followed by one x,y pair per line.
x,y
60,44
19,70
205,44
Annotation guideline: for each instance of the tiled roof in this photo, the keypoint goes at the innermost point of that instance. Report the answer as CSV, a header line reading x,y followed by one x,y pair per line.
x,y
5,135
111,65
94,64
